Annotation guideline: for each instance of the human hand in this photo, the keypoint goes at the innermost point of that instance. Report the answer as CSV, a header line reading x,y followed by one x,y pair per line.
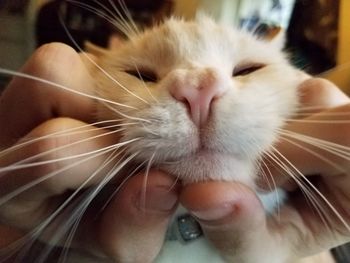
x,y
31,109
233,218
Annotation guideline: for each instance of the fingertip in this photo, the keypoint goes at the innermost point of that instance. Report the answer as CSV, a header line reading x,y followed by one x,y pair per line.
x,y
220,203
229,213
269,178
52,61
319,92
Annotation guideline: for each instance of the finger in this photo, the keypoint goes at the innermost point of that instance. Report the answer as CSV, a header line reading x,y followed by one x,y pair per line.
x,y
321,94
233,219
27,103
298,150
67,162
131,232
315,146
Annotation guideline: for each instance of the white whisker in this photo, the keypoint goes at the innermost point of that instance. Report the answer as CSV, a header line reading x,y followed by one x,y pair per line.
x,y
310,197
326,160
144,84
334,148
319,121
127,13
27,76
273,187
34,234
333,209
121,21
143,192
67,132
125,115
324,113
115,21
109,76
19,165
78,210
39,180
121,185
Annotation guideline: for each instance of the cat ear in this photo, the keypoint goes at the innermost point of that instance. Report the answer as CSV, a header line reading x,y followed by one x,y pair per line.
x,y
94,49
278,38
275,35
115,41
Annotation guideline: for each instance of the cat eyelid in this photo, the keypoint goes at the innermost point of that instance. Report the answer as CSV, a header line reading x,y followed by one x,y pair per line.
x,y
145,75
246,68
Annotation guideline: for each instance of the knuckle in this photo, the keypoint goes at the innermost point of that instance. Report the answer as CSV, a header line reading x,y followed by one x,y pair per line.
x,y
49,151
317,87
321,93
49,57
53,50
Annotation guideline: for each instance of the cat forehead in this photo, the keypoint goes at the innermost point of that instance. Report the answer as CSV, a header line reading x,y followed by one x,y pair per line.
x,y
190,38
202,42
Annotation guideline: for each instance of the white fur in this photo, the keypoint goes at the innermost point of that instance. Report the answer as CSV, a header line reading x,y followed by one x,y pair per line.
x,y
243,121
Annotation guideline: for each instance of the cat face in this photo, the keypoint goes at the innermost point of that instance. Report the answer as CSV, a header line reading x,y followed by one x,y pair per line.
x,y
204,100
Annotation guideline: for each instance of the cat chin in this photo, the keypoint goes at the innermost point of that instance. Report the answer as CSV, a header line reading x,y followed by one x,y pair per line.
x,y
212,167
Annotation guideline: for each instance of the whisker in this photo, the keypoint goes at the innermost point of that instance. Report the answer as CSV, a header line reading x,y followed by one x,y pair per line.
x,y
272,187
143,192
334,148
78,211
121,185
125,115
312,108
38,230
39,180
127,13
33,234
71,131
333,164
19,165
83,205
109,76
177,178
319,121
324,113
56,85
310,197
113,20
144,84
119,19
308,182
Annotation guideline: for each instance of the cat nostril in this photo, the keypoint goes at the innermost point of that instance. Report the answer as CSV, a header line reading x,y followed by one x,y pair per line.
x,y
198,100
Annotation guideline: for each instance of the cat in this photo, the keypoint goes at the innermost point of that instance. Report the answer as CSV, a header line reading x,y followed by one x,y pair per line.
x,y
210,103
203,99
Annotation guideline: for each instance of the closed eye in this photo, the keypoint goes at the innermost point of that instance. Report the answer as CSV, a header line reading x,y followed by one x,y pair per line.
x,y
246,69
143,74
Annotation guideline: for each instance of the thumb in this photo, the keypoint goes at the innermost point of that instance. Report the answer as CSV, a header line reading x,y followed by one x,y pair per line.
x,y
132,229
233,219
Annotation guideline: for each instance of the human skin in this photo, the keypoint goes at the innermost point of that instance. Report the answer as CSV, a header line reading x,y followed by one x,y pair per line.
x,y
225,210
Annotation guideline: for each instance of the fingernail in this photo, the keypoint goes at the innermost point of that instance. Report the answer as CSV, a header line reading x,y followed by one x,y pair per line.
x,y
160,199
215,213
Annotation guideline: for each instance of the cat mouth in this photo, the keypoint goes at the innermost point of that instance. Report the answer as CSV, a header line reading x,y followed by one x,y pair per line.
x,y
204,165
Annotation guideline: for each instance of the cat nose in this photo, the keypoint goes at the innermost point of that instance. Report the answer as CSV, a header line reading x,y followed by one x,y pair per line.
x,y
197,90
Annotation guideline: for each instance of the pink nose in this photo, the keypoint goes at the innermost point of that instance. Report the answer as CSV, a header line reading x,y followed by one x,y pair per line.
x,y
197,90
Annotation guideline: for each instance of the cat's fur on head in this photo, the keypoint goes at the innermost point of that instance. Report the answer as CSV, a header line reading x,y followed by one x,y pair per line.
x,y
242,122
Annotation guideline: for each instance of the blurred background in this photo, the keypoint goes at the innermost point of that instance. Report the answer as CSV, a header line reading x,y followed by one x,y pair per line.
x,y
317,31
